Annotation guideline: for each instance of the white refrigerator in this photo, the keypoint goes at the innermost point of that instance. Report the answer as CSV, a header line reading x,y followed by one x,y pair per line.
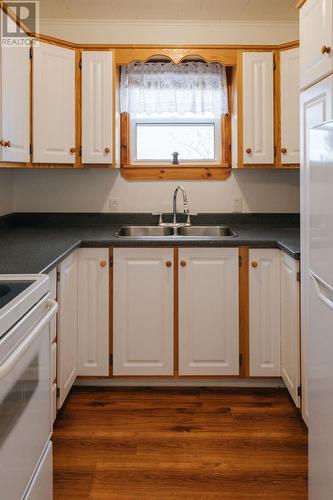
x,y
320,276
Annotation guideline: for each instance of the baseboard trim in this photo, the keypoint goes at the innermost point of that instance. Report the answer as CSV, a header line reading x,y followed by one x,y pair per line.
x,y
251,383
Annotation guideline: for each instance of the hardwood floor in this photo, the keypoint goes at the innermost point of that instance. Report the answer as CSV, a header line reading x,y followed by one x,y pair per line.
x,y
179,444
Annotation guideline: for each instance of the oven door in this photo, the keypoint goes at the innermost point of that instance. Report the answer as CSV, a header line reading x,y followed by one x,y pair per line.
x,y
25,401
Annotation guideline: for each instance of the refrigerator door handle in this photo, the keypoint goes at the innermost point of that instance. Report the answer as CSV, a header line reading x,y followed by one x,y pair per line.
x,y
324,291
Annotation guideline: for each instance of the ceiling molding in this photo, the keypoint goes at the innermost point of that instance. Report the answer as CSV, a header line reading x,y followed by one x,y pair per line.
x,y
162,22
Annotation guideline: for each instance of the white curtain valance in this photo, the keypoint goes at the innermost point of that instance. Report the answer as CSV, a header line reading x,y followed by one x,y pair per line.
x,y
194,87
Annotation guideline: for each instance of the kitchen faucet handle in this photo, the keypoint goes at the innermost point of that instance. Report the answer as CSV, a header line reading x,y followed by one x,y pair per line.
x,y
160,214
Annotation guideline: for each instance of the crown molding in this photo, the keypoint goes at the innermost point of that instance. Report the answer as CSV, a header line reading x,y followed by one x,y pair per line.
x,y
163,22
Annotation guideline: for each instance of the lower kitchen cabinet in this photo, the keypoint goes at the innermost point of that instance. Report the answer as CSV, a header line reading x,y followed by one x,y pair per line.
x,y
265,312
67,326
93,311
208,311
290,326
143,311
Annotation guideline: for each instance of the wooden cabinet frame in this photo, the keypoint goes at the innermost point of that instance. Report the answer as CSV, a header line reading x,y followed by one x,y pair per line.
x,y
277,108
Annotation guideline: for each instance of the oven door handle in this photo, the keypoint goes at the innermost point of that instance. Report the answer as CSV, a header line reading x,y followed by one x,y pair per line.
x,y
15,357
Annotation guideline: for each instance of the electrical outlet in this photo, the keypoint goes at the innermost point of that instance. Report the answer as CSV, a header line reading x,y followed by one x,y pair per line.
x,y
114,204
237,205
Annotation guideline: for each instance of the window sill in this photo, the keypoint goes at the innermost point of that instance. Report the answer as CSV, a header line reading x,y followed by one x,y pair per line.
x,y
190,172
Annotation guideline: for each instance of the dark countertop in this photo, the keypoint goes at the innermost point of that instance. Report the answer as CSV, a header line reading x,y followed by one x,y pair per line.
x,y
35,243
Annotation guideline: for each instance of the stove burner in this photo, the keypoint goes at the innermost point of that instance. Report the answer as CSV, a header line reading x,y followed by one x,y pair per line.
x,y
10,290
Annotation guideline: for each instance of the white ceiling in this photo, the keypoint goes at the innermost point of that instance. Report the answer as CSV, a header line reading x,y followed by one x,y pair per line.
x,y
205,10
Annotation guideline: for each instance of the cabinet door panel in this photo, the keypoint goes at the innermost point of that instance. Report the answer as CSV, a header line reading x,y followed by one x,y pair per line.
x,y
15,103
93,311
97,107
316,108
290,106
53,104
290,333
67,326
208,311
316,31
264,308
142,311
258,124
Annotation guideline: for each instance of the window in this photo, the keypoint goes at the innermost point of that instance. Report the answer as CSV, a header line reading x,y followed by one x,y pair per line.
x,y
175,140
173,114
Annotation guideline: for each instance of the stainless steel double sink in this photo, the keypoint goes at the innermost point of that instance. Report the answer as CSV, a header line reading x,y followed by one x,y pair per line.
x,y
181,231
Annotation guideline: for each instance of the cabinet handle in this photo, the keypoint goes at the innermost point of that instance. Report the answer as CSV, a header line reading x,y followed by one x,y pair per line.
x,y
72,150
8,144
107,150
249,151
254,264
325,49
102,263
183,263
283,150
168,263
2,142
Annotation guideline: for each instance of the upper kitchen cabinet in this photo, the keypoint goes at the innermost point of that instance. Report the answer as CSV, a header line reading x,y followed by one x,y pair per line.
x,y
53,104
97,106
290,110
316,39
15,104
258,106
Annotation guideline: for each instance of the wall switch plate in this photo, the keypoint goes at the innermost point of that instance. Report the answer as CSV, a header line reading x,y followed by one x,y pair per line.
x,y
114,204
237,204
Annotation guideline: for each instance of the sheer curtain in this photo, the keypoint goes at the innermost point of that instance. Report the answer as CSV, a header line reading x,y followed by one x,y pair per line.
x,y
158,87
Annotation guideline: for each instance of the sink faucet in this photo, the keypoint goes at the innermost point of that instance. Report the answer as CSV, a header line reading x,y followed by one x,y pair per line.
x,y
185,204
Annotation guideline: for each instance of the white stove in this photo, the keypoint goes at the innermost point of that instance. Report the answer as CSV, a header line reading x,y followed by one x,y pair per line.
x,y
18,294
25,387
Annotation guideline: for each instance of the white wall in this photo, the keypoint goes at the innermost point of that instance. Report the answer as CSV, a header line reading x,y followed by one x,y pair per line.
x,y
6,192
171,32
90,190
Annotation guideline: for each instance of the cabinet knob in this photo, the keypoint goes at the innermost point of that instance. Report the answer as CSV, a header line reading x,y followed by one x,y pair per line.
x,y
102,263
7,144
283,150
2,142
107,150
254,264
72,150
248,150
325,49
168,263
183,263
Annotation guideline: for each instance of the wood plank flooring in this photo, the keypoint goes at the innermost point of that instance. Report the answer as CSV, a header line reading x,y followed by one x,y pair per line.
x,y
171,443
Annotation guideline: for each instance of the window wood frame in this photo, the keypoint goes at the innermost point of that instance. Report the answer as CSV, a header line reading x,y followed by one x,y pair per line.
x,y
195,171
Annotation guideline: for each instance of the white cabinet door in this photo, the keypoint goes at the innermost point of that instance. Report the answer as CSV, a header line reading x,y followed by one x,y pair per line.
x,y
15,104
93,311
53,104
208,311
67,326
143,311
290,331
316,108
290,106
97,90
316,33
264,309
258,120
